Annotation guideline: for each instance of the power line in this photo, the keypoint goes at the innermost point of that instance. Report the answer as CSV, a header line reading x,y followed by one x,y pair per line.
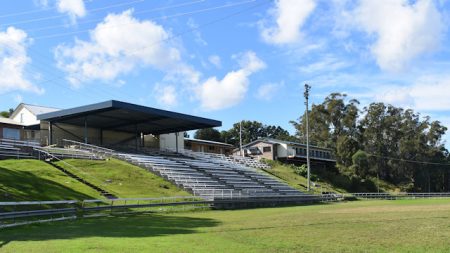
x,y
64,15
138,12
154,18
184,32
410,161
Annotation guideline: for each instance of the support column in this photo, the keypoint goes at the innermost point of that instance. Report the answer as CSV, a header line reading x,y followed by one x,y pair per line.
x,y
136,137
176,142
85,131
50,133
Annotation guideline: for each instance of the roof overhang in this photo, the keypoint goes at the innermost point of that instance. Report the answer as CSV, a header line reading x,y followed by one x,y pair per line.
x,y
126,117
222,144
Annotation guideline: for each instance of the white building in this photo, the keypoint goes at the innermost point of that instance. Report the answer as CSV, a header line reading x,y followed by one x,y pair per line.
x,y
26,114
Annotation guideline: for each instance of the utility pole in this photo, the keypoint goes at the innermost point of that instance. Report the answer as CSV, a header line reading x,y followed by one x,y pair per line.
x,y
240,138
307,88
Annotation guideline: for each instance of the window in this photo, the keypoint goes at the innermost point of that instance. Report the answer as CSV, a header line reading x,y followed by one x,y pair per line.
x,y
211,148
21,118
11,133
267,149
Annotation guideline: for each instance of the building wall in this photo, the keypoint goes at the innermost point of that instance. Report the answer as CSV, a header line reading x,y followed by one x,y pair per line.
x,y
282,150
268,154
5,128
168,141
24,116
151,141
209,148
76,133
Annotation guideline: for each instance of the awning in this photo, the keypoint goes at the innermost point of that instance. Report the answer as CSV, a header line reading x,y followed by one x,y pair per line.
x,y
127,117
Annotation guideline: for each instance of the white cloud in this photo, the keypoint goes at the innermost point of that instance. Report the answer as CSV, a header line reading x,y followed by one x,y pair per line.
x,y
74,8
217,94
166,95
197,35
289,15
267,91
327,63
13,61
427,94
403,30
18,99
115,49
215,60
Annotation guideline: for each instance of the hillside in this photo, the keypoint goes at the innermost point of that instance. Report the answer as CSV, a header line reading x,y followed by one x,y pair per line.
x,y
123,179
36,180
325,181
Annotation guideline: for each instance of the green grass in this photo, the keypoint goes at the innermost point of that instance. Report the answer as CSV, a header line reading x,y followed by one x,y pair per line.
x,y
36,180
329,182
359,226
123,179
287,174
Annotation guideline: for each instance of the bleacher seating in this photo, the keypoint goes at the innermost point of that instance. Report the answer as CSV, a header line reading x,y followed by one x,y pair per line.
x,y
64,153
10,149
204,174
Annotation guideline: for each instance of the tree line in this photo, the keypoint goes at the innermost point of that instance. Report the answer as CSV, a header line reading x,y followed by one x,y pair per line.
x,y
251,130
381,140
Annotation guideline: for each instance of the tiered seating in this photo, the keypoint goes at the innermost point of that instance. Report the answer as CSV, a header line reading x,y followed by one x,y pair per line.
x,y
14,149
182,174
249,180
206,175
249,162
64,153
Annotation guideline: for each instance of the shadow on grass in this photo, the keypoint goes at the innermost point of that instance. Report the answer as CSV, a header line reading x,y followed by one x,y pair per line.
x,y
29,186
144,225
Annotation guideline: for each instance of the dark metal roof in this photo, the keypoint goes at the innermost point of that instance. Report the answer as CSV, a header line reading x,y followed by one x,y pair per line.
x,y
127,117
209,142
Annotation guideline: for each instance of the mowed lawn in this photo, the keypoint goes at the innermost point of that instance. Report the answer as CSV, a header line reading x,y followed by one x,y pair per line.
x,y
123,179
29,179
359,226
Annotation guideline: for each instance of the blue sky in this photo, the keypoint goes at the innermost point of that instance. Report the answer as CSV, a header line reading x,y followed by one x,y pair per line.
x,y
227,60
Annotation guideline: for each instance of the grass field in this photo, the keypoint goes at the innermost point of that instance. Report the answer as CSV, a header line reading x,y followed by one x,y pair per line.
x,y
359,226
35,180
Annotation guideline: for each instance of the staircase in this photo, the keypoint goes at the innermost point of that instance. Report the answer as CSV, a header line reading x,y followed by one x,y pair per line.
x,y
49,159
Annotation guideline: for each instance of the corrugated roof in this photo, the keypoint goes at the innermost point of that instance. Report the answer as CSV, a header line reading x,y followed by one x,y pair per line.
x,y
209,142
126,117
37,109
276,141
9,121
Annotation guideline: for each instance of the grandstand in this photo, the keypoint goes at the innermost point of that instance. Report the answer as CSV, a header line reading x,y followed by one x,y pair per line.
x,y
128,128
204,174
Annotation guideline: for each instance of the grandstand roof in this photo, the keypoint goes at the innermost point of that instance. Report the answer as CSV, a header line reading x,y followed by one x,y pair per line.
x,y
127,117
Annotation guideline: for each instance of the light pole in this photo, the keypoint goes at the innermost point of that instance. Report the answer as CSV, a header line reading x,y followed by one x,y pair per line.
x,y
240,139
307,88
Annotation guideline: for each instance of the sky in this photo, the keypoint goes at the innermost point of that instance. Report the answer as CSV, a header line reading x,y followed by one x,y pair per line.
x,y
226,60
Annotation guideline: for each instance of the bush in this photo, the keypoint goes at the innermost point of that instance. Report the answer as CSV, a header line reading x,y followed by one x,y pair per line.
x,y
300,170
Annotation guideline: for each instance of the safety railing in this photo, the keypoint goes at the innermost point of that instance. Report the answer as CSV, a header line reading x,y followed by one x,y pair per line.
x,y
399,195
19,142
91,148
28,212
